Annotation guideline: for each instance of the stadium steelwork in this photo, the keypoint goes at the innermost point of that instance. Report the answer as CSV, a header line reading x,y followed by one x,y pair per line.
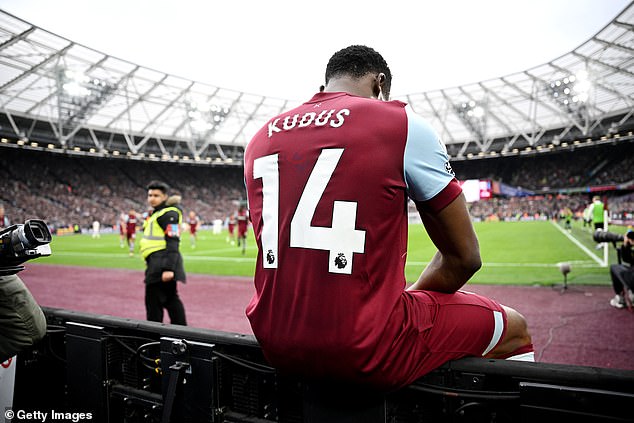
x,y
58,95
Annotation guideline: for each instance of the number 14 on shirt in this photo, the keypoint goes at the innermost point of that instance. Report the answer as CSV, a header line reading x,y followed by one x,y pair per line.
x,y
341,240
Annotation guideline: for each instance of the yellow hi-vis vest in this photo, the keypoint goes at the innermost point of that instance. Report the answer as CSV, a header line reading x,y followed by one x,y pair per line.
x,y
153,235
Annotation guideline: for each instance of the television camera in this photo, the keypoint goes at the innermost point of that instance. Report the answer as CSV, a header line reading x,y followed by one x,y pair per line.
x,y
22,242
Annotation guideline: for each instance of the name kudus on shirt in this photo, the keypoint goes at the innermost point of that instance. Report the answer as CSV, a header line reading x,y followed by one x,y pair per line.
x,y
333,118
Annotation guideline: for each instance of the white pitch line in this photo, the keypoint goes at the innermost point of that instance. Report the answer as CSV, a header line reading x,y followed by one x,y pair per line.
x,y
578,244
125,256
587,264
210,258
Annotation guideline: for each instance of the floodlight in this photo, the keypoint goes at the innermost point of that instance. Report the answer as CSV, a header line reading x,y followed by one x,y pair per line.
x,y
572,91
472,114
205,117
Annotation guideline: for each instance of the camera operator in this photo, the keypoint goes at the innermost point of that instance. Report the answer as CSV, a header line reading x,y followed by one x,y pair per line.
x,y
22,322
622,275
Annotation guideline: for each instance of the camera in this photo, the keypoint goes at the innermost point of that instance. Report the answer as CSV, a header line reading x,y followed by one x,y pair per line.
x,y
605,236
19,243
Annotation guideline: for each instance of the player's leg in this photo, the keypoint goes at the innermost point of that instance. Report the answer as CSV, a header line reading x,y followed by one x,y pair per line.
x,y
622,282
516,343
468,324
130,242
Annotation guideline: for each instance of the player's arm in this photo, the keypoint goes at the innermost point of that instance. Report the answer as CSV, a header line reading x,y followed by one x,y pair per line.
x,y
431,184
169,223
458,255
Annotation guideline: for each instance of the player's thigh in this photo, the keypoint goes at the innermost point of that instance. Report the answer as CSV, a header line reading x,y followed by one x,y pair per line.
x,y
466,323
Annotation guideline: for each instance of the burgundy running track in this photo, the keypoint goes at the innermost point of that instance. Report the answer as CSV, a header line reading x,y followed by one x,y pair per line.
x,y
576,327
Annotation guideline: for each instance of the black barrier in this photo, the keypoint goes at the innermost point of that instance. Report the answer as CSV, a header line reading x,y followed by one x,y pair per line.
x,y
107,369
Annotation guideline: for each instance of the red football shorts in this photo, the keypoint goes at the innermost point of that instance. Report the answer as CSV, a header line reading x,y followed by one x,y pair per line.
x,y
441,327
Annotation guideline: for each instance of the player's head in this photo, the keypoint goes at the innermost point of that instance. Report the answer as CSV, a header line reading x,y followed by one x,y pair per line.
x,y
357,62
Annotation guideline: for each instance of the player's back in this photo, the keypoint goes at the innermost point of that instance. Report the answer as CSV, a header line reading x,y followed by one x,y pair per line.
x,y
328,205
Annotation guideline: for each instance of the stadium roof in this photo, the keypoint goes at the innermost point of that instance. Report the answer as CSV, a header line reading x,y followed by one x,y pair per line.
x,y
71,98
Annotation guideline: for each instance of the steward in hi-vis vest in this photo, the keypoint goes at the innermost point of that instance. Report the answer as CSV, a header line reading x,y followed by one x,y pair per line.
x,y
154,235
160,248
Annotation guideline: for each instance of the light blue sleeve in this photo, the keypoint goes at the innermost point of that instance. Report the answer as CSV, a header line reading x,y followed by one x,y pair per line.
x,y
425,162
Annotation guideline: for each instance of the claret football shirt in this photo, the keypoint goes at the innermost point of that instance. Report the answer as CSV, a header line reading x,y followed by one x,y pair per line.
x,y
328,185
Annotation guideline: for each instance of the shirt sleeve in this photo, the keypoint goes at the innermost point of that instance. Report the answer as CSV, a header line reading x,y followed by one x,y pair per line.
x,y
428,172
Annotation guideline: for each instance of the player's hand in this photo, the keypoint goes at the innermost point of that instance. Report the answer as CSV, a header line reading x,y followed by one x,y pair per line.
x,y
167,275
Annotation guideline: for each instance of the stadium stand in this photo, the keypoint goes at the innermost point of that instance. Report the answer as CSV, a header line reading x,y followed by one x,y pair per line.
x,y
77,190
68,190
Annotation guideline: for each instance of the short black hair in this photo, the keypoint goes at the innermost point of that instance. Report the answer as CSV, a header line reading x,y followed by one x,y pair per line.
x,y
160,185
358,61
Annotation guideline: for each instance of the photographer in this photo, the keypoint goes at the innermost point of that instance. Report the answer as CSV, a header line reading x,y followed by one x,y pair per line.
x,y
622,275
22,322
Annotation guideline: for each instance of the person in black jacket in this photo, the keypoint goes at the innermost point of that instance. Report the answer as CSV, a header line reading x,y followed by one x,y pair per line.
x,y
622,274
160,249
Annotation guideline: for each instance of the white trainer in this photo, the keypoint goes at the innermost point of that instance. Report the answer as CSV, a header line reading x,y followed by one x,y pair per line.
x,y
617,301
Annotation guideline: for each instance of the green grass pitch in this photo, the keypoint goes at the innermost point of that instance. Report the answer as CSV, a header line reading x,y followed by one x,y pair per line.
x,y
514,253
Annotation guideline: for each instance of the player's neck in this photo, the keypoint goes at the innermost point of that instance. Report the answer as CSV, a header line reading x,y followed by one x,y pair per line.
x,y
350,86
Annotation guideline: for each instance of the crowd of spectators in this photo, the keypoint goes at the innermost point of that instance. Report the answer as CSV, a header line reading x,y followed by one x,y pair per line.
x,y
77,190
71,190
547,172
558,180
540,207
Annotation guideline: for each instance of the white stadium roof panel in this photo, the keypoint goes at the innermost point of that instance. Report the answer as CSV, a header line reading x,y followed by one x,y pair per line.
x,y
89,99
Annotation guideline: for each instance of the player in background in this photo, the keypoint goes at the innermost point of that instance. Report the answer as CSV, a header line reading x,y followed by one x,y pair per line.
x,y
597,209
122,225
242,219
587,218
193,221
131,223
567,215
231,228
96,229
